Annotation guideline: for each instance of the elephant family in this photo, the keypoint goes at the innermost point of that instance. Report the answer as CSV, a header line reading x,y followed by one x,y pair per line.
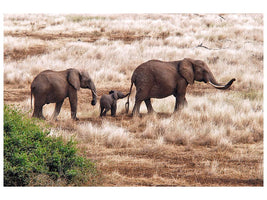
x,y
54,86
159,79
109,102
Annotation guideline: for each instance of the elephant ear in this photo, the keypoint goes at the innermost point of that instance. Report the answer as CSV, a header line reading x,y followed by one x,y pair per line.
x,y
74,78
186,70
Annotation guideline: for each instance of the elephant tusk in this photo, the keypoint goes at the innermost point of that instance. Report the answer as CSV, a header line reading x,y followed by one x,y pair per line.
x,y
222,86
94,93
217,86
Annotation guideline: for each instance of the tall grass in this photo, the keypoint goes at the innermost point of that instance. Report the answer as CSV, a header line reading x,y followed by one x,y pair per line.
x,y
108,135
220,120
235,43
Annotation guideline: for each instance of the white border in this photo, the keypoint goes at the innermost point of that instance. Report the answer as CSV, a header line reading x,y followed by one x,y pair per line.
x,y
132,6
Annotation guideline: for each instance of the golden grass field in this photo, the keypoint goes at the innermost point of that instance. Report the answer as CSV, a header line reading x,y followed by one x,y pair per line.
x,y
217,140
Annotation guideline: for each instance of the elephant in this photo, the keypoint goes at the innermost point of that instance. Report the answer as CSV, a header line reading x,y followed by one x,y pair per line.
x,y
109,101
160,79
54,86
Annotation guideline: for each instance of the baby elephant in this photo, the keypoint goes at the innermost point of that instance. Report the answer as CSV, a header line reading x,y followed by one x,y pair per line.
x,y
108,102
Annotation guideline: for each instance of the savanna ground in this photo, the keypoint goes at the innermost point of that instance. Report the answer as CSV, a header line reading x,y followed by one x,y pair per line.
x,y
217,140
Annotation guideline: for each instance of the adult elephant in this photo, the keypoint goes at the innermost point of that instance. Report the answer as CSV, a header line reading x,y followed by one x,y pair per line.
x,y
54,86
158,79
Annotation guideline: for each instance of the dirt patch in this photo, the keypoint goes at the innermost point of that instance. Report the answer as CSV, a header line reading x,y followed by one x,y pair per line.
x,y
88,37
16,95
125,36
171,166
205,180
19,54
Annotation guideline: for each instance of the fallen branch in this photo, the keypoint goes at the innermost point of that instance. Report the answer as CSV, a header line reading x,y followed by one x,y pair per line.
x,y
201,45
221,17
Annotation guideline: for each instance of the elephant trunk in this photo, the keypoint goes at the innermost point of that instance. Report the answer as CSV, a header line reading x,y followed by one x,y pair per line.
x,y
212,81
121,95
127,94
93,102
94,95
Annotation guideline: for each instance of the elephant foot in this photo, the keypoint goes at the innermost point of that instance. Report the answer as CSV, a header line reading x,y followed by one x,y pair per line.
x,y
39,116
151,112
136,115
76,119
55,119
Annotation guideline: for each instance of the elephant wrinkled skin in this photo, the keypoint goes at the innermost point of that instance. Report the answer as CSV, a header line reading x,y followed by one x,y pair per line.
x,y
159,79
54,86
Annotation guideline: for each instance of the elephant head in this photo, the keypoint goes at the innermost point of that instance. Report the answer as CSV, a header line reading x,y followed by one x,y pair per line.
x,y
117,94
82,79
198,70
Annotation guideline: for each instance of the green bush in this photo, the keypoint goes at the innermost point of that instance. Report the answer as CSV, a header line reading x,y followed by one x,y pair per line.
x,y
29,153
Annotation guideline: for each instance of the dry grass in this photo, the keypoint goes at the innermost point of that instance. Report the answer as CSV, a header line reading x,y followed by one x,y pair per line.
x,y
216,140
51,41
107,134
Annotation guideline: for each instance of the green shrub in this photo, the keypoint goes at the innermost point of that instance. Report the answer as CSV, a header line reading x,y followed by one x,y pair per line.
x,y
29,153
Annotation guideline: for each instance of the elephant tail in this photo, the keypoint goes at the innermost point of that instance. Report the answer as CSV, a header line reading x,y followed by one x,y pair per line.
x,y
32,88
127,105
31,99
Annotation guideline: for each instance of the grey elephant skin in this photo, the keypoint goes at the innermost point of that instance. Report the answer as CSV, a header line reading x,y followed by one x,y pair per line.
x,y
109,102
159,79
54,86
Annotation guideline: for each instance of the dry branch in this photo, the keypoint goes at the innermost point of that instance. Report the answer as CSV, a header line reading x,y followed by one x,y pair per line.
x,y
201,45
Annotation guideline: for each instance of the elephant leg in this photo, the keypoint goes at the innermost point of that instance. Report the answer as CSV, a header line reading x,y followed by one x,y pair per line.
x,y
57,109
180,102
180,96
101,112
185,102
38,108
73,104
38,112
140,96
136,108
149,106
113,110
105,112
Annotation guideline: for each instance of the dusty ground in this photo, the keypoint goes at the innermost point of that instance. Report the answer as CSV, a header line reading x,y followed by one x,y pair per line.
x,y
148,165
